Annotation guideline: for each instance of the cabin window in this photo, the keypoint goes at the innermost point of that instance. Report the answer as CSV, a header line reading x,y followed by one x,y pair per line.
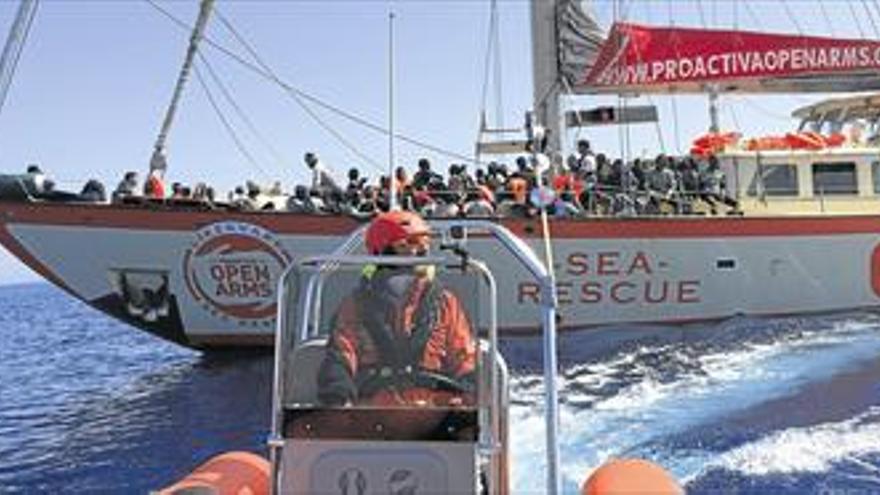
x,y
875,173
778,180
837,178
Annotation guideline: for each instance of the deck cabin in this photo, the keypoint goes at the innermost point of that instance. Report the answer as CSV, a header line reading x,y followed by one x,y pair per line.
x,y
804,182
843,180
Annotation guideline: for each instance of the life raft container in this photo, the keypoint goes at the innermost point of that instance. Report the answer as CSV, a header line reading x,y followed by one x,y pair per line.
x,y
713,142
807,140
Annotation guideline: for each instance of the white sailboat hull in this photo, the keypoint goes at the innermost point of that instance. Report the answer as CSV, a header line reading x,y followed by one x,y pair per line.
x,y
208,279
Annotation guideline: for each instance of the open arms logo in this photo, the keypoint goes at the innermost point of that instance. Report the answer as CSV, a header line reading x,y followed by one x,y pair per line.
x,y
232,270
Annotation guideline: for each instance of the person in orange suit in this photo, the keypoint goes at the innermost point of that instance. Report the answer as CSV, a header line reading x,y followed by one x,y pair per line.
x,y
400,338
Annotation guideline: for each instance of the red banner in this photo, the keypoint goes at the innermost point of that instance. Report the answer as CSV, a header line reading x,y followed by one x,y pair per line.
x,y
645,58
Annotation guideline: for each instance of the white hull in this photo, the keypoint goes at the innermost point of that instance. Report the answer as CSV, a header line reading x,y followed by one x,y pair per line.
x,y
209,278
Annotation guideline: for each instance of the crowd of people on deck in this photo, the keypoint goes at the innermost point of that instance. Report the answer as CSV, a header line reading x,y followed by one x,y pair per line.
x,y
580,185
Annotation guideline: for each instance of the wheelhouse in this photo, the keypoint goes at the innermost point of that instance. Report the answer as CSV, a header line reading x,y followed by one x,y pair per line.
x,y
804,182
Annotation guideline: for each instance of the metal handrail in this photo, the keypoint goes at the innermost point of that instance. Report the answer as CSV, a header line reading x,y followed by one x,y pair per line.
x,y
512,244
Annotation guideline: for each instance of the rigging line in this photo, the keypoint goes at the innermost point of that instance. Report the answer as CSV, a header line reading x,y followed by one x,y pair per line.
x,y
753,16
735,15
499,101
876,6
763,110
14,46
625,10
658,127
669,11
239,111
825,16
270,76
870,18
486,64
702,14
296,97
227,125
675,123
852,13
791,16
732,109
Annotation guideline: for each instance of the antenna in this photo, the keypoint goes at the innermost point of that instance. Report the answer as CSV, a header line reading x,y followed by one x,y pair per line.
x,y
392,183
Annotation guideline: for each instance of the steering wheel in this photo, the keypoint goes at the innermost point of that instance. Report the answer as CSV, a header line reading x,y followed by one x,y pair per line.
x,y
421,378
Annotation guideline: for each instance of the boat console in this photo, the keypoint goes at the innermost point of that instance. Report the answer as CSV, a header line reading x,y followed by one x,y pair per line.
x,y
450,436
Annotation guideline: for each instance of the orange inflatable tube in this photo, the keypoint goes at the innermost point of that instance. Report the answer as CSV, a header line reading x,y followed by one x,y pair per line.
x,y
630,476
232,473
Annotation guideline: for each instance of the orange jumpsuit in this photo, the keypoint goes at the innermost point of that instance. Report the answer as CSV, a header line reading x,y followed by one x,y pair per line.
x,y
396,321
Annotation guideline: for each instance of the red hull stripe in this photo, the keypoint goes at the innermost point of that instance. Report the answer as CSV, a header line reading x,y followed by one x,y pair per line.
x,y
138,218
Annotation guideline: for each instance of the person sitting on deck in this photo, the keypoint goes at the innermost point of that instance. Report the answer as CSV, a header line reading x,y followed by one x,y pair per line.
x,y
127,187
93,192
322,182
400,338
35,181
154,187
713,186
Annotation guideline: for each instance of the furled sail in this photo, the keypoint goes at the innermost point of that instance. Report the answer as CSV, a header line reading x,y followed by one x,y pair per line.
x,y
579,39
646,59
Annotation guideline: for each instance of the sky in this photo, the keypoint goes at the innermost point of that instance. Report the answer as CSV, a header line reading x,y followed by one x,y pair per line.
x,y
95,79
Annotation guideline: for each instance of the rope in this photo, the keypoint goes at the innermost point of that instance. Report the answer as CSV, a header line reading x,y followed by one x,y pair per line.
x,y
240,112
702,14
736,15
227,125
734,116
876,6
675,123
499,101
296,97
791,16
268,75
486,68
852,12
18,34
763,110
870,18
659,128
753,16
828,23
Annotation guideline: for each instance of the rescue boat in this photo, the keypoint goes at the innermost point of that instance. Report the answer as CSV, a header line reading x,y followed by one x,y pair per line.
x,y
404,447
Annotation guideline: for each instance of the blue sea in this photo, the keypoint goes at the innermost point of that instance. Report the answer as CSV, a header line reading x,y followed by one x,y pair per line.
x,y
90,405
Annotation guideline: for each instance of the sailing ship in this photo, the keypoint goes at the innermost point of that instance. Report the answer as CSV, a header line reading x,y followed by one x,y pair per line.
x,y
806,237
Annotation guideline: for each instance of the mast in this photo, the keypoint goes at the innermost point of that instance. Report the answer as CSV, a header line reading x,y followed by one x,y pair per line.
x,y
158,161
714,125
14,44
392,182
545,70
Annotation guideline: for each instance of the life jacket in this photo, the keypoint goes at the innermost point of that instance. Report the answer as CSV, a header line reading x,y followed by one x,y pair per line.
x,y
379,307
399,330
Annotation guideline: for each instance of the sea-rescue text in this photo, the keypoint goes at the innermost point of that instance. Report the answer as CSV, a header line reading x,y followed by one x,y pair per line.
x,y
614,277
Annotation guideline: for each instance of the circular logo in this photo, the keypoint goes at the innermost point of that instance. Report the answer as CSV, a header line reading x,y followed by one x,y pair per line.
x,y
232,269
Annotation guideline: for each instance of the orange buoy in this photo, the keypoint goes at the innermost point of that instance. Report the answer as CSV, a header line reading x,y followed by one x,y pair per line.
x,y
630,476
232,473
